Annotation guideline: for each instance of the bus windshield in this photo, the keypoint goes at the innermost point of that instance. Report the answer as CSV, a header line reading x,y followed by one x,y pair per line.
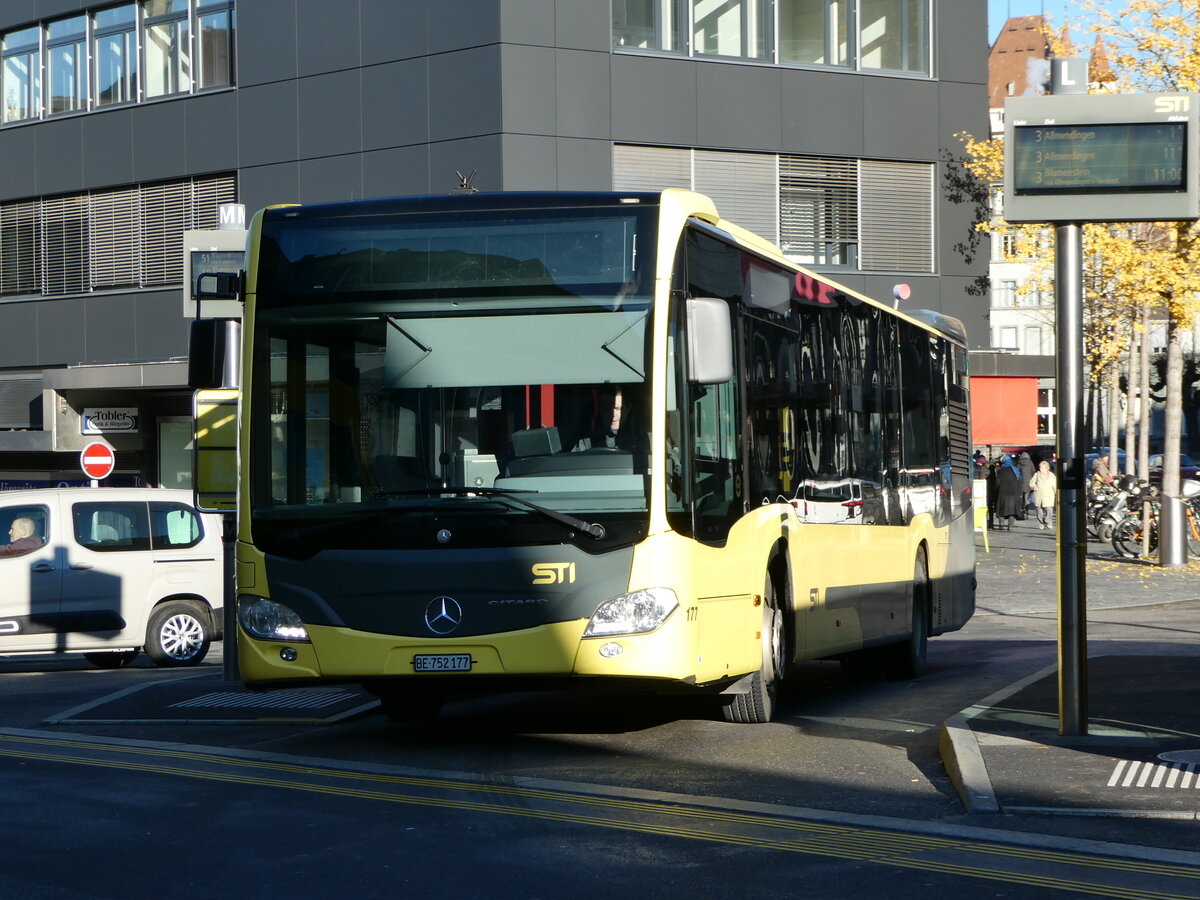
x,y
420,380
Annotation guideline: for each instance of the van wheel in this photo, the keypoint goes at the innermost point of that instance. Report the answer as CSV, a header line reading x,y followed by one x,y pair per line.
x,y
178,634
111,659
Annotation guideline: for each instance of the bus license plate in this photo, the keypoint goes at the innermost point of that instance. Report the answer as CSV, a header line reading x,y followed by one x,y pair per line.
x,y
442,662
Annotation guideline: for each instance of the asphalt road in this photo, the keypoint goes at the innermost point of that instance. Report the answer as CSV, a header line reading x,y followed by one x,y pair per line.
x,y
541,795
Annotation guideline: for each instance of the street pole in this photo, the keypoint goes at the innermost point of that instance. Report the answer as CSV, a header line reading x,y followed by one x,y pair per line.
x,y
1072,530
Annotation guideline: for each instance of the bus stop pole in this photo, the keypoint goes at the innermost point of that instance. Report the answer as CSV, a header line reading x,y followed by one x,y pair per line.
x,y
1072,502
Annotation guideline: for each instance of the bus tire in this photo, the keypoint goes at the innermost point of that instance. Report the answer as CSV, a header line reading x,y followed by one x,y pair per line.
x,y
758,704
906,659
178,634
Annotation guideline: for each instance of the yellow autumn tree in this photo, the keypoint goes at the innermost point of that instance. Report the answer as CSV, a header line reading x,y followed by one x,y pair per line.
x,y
1151,45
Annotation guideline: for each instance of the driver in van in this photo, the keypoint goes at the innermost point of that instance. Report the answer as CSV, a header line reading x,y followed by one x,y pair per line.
x,y
23,538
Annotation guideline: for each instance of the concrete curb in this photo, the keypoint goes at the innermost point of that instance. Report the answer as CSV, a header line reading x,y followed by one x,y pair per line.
x,y
964,764
959,749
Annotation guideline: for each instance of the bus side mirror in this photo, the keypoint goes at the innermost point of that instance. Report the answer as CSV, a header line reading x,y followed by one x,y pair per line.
x,y
710,341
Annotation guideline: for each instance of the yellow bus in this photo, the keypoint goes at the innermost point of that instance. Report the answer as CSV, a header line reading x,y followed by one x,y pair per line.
x,y
608,440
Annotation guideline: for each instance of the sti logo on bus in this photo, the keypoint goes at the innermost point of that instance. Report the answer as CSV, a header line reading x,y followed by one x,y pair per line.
x,y
554,573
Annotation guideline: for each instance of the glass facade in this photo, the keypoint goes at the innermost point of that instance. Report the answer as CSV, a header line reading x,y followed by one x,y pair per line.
x,y
120,54
889,36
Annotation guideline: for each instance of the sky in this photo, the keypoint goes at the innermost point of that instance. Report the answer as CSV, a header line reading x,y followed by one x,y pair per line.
x,y
1057,10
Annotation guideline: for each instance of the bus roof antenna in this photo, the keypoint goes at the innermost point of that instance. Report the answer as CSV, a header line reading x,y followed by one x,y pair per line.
x,y
464,183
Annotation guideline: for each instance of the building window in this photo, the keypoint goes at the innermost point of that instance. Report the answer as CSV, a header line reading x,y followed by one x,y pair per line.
x,y
66,65
730,28
1033,340
214,45
22,75
1008,339
818,210
114,52
877,35
650,25
167,56
120,54
815,32
894,35
1004,295
821,211
105,240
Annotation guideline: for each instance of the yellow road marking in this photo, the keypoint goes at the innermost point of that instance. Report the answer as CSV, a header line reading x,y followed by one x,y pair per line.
x,y
879,846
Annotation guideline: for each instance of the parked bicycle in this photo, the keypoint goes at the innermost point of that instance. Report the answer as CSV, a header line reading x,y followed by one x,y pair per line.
x,y
1134,537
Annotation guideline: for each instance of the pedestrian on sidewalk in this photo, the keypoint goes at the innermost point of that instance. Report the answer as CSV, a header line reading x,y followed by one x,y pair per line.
x,y
1026,468
1010,493
1044,486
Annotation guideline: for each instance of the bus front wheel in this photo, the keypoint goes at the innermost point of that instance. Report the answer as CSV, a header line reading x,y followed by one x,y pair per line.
x,y
758,704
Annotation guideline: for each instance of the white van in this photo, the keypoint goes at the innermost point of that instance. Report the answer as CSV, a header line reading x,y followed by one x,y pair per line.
x,y
107,572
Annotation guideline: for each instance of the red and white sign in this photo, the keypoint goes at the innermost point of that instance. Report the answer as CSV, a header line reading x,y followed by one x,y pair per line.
x,y
97,460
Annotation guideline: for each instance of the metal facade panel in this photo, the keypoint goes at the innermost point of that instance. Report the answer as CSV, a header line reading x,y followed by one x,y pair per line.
x,y
584,165
395,104
654,101
106,139
268,124
331,178
59,157
465,94
739,107
330,114
211,144
390,31
159,140
266,42
529,87
584,94
396,172
327,38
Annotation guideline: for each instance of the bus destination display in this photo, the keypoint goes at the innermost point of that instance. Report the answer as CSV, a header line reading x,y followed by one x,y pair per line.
x,y
1099,158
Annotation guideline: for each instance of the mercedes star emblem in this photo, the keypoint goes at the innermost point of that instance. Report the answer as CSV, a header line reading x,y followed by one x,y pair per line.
x,y
443,615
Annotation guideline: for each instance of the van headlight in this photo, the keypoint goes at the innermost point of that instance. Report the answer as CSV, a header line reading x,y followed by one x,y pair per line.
x,y
269,621
634,613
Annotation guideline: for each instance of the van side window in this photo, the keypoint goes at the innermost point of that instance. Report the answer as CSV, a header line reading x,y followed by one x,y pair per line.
x,y
108,527
23,529
173,525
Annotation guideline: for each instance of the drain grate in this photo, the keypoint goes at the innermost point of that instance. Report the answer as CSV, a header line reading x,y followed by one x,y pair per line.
x,y
286,699
1154,775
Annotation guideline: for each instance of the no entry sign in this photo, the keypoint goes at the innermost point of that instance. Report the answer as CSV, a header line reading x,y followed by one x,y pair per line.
x,y
97,460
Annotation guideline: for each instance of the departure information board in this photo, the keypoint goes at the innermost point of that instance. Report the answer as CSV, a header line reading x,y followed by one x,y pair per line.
x,y
1143,156
1101,158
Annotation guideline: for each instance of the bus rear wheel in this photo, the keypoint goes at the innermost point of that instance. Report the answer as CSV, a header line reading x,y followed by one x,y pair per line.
x,y
758,704
906,659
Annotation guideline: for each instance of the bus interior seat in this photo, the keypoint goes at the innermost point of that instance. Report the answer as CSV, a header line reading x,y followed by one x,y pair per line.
x,y
536,442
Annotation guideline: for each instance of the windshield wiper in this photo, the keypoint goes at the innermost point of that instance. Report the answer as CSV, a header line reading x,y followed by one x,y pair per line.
x,y
591,529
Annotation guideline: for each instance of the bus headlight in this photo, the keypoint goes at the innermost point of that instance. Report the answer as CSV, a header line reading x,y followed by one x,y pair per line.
x,y
269,621
634,613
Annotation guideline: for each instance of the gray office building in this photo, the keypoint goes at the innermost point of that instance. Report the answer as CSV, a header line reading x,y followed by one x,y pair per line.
x,y
820,124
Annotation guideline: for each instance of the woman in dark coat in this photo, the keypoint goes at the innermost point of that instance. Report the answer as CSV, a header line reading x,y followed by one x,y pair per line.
x,y
1026,467
1010,493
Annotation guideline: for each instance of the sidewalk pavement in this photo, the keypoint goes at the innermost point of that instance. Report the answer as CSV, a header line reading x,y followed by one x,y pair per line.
x,y
1141,754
